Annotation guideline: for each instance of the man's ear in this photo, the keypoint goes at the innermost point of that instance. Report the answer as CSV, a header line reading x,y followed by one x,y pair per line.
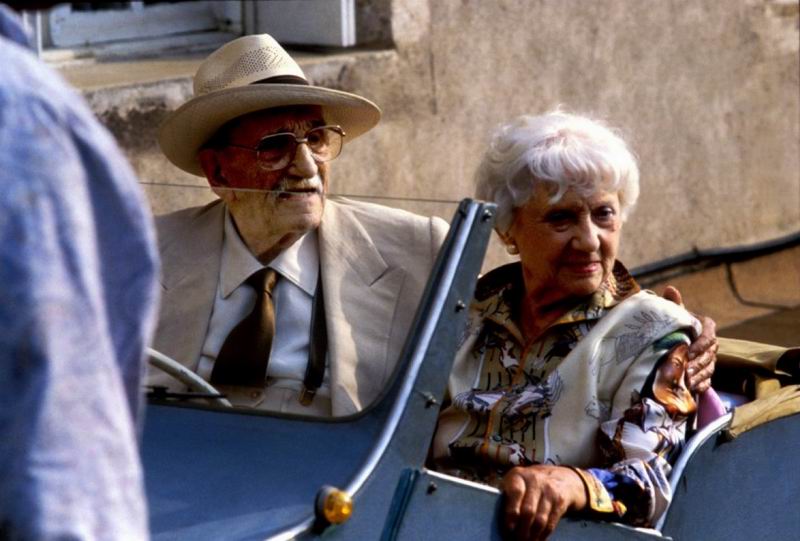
x,y
209,162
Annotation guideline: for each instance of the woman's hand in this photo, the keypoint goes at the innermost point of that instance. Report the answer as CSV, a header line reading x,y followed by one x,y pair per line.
x,y
536,498
702,352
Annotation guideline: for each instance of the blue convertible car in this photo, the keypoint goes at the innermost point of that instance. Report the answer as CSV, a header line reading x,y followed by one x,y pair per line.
x,y
223,474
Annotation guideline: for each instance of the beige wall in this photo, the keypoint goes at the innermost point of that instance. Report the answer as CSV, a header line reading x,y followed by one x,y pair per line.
x,y
707,92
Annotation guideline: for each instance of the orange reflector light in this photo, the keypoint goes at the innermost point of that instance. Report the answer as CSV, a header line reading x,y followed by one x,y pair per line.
x,y
334,505
338,507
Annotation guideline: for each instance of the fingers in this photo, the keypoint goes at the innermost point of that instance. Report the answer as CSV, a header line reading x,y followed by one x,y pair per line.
x,y
702,347
702,352
514,490
528,526
548,513
535,503
700,371
672,294
703,357
707,339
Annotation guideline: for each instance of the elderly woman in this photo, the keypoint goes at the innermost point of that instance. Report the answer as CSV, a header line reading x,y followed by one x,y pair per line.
x,y
568,391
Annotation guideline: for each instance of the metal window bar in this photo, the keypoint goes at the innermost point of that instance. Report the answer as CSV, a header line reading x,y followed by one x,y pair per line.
x,y
33,24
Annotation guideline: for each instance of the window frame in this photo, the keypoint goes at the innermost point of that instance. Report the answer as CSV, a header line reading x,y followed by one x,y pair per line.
x,y
63,35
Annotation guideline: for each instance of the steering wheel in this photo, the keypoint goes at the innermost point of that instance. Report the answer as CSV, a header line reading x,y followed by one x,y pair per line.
x,y
179,372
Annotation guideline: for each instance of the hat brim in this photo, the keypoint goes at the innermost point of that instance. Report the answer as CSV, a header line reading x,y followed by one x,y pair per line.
x,y
186,129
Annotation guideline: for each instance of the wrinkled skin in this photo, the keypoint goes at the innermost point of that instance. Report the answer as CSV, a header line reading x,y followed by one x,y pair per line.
x,y
702,353
567,249
536,499
271,209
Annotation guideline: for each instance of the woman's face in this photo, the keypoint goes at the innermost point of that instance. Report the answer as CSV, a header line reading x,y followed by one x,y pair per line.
x,y
567,248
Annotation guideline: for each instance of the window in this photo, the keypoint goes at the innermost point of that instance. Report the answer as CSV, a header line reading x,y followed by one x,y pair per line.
x,y
84,23
307,22
151,27
134,28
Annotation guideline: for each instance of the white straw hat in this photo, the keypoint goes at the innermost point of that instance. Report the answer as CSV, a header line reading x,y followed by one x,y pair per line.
x,y
249,74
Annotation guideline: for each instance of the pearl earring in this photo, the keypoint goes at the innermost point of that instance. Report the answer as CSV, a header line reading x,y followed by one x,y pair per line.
x,y
512,249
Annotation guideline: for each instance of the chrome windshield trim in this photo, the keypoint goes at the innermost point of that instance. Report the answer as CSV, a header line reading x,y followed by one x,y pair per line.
x,y
686,455
462,482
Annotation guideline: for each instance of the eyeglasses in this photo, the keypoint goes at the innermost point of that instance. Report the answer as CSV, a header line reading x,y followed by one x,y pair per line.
x,y
276,151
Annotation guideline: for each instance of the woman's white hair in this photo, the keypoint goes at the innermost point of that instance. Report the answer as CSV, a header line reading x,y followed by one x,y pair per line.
x,y
558,148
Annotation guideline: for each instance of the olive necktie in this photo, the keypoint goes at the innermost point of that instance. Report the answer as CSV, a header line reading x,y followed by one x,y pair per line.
x,y
243,358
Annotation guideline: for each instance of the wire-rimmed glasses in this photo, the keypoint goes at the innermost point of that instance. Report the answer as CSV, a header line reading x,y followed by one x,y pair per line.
x,y
276,151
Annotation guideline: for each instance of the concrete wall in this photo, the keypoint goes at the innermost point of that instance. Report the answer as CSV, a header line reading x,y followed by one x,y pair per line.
x,y
707,92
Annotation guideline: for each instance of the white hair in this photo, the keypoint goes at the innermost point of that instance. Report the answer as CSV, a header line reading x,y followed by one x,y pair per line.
x,y
561,149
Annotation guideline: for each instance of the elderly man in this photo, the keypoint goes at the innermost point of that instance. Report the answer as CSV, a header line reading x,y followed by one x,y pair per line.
x,y
260,284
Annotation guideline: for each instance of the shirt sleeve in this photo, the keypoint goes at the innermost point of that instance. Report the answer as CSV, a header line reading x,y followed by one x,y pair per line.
x,y
637,448
76,308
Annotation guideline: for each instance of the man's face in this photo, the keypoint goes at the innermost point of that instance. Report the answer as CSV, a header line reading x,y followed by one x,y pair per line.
x,y
274,205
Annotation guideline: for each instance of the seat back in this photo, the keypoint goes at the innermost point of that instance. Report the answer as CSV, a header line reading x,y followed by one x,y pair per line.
x,y
745,488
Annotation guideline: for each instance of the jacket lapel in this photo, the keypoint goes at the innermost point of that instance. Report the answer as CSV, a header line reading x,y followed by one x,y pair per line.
x,y
361,296
190,272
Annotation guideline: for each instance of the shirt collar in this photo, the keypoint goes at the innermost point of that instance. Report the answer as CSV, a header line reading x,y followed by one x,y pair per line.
x,y
498,294
299,263
617,287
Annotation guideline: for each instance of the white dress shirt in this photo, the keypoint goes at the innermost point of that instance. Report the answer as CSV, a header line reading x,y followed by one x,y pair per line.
x,y
298,269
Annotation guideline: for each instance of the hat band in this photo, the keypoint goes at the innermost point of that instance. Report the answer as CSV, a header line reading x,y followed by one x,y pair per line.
x,y
282,80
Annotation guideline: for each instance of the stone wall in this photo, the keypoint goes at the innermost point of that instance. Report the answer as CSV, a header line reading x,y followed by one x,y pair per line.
x,y
707,93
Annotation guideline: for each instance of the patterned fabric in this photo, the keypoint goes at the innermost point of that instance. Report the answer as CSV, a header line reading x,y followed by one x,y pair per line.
x,y
79,287
584,376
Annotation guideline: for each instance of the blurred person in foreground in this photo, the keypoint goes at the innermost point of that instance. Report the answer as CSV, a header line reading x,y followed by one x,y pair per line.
x,y
78,270
570,389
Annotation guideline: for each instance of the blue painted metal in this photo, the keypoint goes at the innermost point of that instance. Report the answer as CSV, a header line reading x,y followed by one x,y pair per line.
x,y
747,488
397,510
441,507
223,474
227,475
693,445
430,350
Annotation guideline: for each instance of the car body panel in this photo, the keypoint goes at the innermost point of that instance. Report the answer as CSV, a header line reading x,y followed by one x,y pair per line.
x,y
216,473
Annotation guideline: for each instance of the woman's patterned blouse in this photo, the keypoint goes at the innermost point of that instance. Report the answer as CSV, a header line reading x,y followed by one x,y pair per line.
x,y
500,418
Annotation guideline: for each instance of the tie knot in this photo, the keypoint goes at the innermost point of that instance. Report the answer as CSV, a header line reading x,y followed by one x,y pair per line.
x,y
263,280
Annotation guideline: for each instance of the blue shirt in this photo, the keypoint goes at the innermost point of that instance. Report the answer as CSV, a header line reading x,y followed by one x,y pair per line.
x,y
78,294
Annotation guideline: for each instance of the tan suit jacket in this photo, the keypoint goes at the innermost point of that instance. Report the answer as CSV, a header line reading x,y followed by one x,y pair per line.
x,y
375,263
